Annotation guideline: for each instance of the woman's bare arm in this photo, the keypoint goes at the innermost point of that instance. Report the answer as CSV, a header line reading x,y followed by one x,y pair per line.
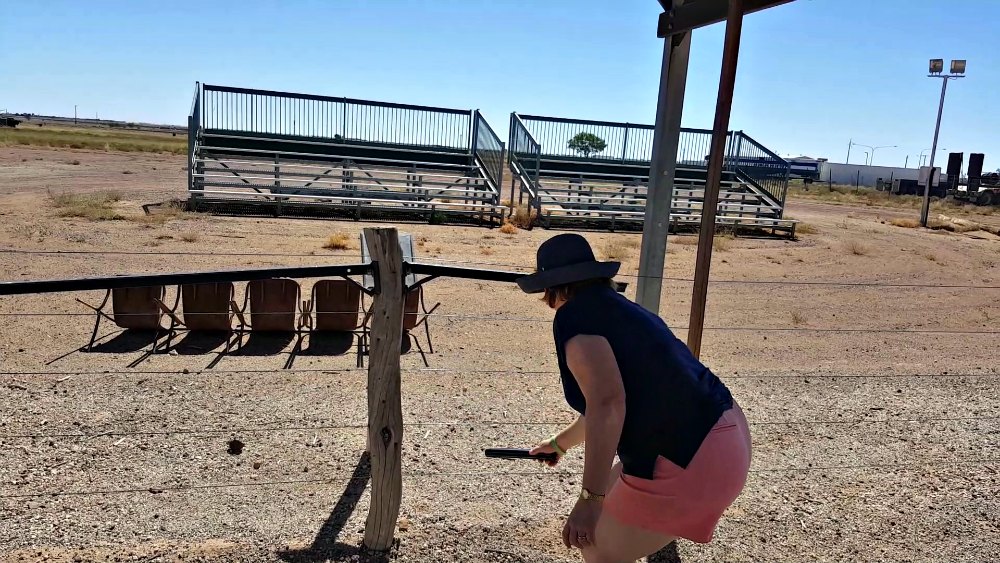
x,y
573,435
595,368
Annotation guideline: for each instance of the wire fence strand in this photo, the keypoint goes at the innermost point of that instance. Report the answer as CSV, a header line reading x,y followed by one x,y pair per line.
x,y
463,371
522,268
561,474
455,424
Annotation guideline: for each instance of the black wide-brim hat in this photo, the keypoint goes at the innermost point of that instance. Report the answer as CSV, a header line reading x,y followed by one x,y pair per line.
x,y
566,259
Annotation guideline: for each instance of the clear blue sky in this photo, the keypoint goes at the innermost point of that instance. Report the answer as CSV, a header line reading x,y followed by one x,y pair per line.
x,y
813,74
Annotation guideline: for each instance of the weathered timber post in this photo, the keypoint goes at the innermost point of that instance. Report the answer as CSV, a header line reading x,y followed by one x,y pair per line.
x,y
385,412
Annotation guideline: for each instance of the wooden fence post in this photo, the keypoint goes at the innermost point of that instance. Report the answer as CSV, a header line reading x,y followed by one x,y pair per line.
x,y
385,412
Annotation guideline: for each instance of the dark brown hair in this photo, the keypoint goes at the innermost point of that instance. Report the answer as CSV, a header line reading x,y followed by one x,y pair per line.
x,y
567,291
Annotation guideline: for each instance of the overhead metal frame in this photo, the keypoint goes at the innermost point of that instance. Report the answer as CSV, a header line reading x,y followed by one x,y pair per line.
x,y
675,24
699,13
146,280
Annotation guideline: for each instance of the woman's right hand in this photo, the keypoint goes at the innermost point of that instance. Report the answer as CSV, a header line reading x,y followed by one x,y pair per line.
x,y
546,448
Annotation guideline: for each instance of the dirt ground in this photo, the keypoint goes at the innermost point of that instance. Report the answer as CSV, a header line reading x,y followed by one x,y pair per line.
x,y
874,438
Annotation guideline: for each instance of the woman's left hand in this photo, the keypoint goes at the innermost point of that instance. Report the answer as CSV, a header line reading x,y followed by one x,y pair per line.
x,y
579,529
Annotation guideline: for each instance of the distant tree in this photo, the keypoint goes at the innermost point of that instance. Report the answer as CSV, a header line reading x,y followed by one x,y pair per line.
x,y
587,144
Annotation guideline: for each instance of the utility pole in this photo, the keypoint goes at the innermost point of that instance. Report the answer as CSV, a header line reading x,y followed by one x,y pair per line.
x,y
74,114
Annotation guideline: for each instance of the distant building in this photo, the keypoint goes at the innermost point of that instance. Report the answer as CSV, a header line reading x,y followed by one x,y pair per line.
x,y
862,175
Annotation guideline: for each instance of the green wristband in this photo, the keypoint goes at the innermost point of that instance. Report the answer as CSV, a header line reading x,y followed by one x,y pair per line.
x,y
555,446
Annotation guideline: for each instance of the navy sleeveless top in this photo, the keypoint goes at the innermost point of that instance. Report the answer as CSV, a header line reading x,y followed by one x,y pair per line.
x,y
672,400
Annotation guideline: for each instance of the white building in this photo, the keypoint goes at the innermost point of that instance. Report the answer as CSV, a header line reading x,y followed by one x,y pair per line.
x,y
862,175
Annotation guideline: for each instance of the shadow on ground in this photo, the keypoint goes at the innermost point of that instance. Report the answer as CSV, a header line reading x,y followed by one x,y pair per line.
x,y
666,555
325,546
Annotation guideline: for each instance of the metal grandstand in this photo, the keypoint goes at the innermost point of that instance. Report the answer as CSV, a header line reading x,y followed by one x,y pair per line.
x,y
608,188
280,153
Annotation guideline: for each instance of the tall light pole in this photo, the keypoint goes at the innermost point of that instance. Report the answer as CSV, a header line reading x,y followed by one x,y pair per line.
x,y
872,162
866,157
935,68
922,156
853,144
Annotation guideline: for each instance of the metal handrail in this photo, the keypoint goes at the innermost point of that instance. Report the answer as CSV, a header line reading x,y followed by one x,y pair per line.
x,y
491,158
279,94
600,123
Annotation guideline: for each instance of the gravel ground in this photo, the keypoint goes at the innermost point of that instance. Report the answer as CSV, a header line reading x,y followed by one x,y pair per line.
x,y
856,458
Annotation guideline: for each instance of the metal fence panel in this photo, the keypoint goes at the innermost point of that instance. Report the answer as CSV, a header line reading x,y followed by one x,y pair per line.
x,y
762,167
339,119
623,142
489,150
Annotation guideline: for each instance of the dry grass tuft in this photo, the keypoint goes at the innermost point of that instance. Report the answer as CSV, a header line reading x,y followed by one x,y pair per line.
x,y
189,237
685,241
805,229
617,249
857,248
523,217
905,223
943,223
338,241
73,162
485,251
798,319
164,213
508,229
97,206
723,243
930,256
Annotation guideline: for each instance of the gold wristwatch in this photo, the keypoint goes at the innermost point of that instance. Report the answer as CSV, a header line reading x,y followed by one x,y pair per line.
x,y
586,494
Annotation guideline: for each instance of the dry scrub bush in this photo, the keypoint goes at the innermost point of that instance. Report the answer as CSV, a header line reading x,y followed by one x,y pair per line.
x,y
686,241
905,223
523,217
616,249
856,248
798,319
722,243
162,214
338,241
508,229
485,251
805,229
97,206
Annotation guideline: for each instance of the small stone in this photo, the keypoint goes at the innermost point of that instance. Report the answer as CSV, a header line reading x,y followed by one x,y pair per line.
x,y
404,524
256,465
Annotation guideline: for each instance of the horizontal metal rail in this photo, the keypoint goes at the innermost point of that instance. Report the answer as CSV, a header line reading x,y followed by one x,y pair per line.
x,y
208,135
426,205
312,155
146,280
331,167
422,197
269,182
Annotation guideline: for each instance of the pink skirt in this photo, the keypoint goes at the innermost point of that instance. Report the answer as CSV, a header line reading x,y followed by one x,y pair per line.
x,y
688,503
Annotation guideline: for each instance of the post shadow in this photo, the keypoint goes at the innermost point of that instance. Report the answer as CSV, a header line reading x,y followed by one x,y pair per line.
x,y
668,554
325,546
